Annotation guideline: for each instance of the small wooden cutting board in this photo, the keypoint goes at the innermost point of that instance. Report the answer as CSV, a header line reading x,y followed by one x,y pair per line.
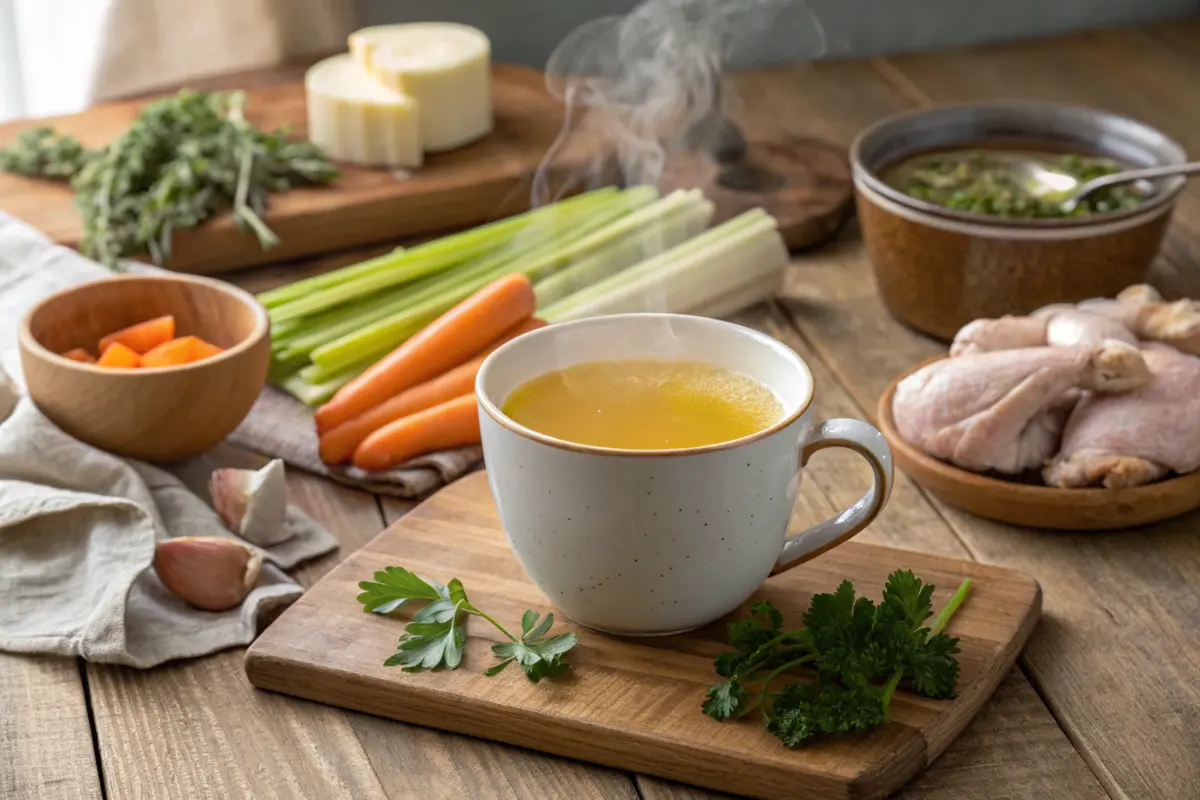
x,y
633,704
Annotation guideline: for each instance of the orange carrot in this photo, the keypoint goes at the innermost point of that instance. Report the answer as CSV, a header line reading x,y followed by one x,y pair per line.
x,y
205,349
143,337
183,350
118,355
79,354
338,445
446,342
452,424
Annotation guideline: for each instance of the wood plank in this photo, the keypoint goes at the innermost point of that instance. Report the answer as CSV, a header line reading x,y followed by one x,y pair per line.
x,y
45,739
1013,750
1141,79
835,100
630,703
1103,592
198,728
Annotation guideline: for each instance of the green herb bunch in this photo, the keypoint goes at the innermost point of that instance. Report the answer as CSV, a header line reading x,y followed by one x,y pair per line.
x,y
861,652
437,633
184,159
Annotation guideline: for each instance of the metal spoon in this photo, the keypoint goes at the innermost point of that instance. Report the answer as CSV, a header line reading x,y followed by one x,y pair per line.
x,y
1043,181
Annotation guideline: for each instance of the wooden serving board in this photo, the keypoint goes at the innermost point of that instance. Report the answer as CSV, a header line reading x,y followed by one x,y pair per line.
x,y
468,186
633,704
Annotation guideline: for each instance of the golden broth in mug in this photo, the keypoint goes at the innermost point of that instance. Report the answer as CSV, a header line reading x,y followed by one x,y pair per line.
x,y
644,404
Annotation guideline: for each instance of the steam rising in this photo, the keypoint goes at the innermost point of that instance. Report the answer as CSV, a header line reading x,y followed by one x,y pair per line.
x,y
650,83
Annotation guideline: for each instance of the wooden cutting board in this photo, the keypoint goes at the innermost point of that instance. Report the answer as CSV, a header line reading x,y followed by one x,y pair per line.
x,y
629,704
806,183
468,186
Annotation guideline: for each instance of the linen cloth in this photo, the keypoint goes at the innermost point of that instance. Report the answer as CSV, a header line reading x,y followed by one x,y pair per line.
x,y
78,526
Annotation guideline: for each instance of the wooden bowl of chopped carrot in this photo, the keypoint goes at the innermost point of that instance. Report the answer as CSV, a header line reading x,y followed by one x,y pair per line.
x,y
156,367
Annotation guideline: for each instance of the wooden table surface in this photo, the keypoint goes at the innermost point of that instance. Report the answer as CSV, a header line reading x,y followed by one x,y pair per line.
x,y
1105,701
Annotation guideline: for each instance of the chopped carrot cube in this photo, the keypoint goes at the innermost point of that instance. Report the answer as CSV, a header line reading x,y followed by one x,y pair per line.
x,y
79,354
144,336
184,350
118,355
206,349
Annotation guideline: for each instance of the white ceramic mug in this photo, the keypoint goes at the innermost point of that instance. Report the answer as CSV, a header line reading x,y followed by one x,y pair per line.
x,y
653,542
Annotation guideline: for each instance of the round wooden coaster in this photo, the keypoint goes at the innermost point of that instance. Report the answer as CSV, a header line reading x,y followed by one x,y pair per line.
x,y
803,182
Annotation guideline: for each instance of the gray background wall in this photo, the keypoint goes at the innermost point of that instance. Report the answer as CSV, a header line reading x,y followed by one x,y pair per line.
x,y
526,31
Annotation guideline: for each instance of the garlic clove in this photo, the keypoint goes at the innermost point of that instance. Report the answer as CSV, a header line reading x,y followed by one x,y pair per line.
x,y
9,396
209,572
253,503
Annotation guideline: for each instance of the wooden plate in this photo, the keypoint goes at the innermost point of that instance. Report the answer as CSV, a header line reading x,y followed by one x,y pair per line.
x,y
1035,505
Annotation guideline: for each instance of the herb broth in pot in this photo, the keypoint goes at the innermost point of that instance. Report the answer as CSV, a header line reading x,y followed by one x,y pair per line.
x,y
980,178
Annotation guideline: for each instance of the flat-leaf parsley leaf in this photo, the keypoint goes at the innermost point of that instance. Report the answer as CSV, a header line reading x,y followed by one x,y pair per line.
x,y
437,633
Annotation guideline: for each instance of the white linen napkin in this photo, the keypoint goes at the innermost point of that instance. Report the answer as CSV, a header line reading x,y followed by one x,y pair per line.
x,y
78,526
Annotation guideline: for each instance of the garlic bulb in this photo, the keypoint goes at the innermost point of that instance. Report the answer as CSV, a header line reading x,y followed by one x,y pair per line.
x,y
252,503
209,572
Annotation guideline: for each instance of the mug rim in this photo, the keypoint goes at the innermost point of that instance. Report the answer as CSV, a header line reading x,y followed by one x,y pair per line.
x,y
485,402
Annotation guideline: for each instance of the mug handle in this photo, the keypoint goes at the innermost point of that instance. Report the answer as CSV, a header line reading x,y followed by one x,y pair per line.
x,y
868,442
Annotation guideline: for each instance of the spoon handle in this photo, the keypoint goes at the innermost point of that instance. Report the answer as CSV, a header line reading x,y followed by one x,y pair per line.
x,y
1148,173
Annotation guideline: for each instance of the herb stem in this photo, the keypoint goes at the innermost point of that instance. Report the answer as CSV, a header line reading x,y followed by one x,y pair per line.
x,y
889,689
775,673
764,654
956,600
473,610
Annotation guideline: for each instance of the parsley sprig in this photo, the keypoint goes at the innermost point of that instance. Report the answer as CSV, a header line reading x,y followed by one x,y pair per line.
x,y
861,653
437,633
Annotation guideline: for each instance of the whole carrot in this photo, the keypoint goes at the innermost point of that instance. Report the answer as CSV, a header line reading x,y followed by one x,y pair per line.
x,y
451,424
446,342
338,445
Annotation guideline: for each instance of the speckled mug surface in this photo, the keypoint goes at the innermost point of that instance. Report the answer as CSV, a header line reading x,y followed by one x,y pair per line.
x,y
654,542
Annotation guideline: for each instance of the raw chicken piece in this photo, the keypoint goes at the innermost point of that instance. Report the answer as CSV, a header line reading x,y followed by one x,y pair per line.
x,y
1056,326
1004,411
1142,310
1135,438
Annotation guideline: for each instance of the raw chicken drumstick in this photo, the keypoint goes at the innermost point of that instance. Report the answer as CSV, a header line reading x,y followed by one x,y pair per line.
x,y
1004,411
1135,438
1143,311
1056,326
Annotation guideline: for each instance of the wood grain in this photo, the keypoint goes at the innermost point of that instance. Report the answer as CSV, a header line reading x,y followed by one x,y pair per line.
x,y
45,742
629,703
482,181
197,729
1097,587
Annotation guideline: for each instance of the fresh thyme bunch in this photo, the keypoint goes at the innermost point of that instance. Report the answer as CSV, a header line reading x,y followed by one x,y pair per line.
x,y
184,159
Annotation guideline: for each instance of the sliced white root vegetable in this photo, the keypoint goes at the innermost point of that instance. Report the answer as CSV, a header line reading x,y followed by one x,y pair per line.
x,y
444,66
253,503
355,118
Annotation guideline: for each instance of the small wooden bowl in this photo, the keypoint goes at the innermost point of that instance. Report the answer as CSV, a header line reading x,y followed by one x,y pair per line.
x,y
163,414
1031,504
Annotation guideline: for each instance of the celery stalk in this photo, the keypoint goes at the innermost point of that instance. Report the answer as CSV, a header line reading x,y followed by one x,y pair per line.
x,y
719,262
673,229
425,259
453,288
294,291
